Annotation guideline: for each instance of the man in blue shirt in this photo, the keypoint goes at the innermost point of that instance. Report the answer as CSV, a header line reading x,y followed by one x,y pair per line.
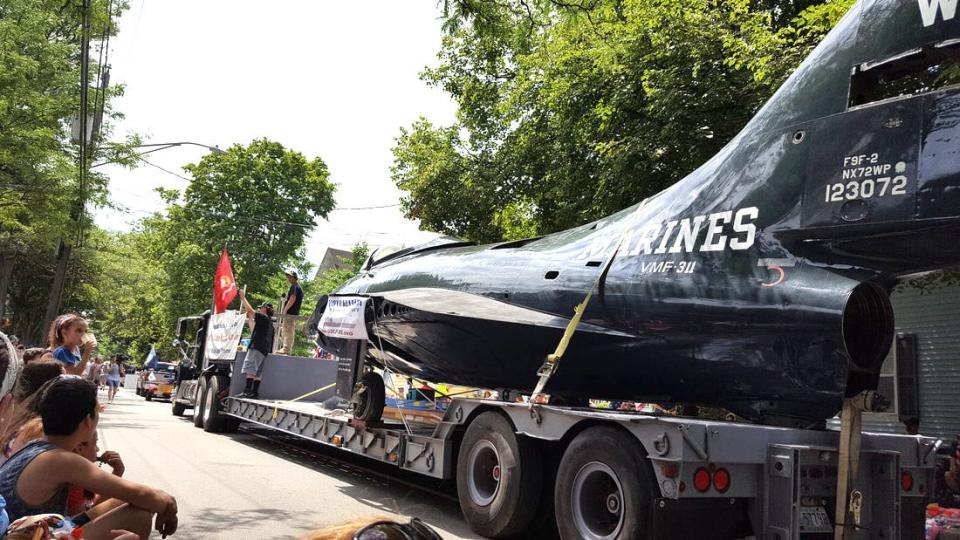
x,y
290,308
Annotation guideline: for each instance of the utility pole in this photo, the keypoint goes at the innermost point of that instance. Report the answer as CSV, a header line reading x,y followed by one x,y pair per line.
x,y
76,215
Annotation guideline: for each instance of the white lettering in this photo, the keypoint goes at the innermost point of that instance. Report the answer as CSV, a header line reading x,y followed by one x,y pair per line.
x,y
748,228
662,248
648,236
687,235
929,8
715,241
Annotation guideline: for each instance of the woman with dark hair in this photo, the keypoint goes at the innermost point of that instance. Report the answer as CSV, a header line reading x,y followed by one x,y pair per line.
x,y
24,424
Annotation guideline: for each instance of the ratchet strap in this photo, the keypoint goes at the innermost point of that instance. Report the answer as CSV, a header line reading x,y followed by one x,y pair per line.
x,y
276,404
552,362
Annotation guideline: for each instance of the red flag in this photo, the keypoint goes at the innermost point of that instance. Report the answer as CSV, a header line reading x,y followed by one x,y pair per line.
x,y
224,286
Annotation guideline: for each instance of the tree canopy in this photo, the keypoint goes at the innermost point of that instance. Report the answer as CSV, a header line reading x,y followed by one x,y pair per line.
x,y
259,201
41,197
568,111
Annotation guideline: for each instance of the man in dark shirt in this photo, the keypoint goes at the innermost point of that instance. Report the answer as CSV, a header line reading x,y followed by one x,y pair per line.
x,y
261,344
291,307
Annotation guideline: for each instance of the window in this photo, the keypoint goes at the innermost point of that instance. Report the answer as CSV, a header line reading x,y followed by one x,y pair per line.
x,y
910,73
898,381
888,380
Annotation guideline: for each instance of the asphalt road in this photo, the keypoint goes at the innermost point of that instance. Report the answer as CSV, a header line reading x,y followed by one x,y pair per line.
x,y
254,485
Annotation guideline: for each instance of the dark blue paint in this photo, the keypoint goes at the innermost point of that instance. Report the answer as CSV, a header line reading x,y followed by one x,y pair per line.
x,y
763,340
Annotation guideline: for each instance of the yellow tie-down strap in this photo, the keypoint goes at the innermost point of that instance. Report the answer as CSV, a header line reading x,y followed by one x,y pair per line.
x,y
276,403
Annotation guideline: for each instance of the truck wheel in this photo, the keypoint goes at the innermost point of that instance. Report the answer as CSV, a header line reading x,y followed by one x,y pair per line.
x,y
369,397
200,396
178,408
212,419
499,477
605,487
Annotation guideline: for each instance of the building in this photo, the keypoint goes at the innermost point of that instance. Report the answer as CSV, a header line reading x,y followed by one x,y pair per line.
x,y
333,259
921,374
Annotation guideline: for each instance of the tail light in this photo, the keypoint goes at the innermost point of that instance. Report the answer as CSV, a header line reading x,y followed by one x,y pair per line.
x,y
701,480
721,480
906,481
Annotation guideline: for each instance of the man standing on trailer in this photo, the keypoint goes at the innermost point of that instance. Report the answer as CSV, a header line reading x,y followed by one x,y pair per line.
x,y
290,308
261,344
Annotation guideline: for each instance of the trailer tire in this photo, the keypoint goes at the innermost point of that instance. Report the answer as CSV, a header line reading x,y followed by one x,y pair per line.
x,y
604,473
369,398
499,477
199,402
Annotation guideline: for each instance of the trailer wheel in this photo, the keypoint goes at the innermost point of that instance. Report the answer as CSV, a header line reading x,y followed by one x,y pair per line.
x,y
214,420
369,397
200,399
605,487
499,477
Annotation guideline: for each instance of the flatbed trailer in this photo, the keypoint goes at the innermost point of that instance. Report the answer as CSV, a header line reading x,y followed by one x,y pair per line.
x,y
522,469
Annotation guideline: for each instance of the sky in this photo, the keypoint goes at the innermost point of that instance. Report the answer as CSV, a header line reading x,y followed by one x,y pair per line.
x,y
330,79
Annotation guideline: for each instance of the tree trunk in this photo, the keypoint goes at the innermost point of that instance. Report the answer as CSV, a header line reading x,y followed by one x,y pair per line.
x,y
6,272
56,287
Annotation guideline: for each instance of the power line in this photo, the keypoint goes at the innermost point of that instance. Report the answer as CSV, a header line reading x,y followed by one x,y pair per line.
x,y
338,209
367,207
166,170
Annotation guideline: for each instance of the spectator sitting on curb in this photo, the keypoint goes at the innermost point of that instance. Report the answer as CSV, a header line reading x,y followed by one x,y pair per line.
x,y
33,354
70,342
376,528
36,479
10,366
291,308
261,343
23,425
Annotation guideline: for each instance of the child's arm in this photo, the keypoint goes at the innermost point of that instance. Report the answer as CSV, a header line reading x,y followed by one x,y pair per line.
x,y
75,469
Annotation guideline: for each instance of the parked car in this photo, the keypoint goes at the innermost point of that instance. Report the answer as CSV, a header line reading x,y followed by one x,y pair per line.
x,y
158,382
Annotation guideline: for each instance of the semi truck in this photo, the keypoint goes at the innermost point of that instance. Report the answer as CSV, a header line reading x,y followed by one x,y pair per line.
x,y
541,470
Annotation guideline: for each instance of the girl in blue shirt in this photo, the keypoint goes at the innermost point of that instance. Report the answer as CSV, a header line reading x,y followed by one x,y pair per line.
x,y
70,342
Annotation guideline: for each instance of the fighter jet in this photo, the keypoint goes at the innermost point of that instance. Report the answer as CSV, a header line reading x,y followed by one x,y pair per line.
x,y
759,283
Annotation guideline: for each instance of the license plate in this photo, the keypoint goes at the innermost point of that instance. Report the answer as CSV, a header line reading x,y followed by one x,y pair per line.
x,y
814,519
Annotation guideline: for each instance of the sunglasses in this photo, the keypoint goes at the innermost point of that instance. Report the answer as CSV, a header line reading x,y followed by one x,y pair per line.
x,y
391,530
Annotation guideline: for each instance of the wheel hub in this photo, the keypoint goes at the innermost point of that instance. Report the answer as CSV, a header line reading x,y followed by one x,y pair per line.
x,y
597,502
613,503
483,480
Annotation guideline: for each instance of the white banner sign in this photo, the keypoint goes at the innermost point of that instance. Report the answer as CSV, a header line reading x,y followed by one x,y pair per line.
x,y
343,318
223,335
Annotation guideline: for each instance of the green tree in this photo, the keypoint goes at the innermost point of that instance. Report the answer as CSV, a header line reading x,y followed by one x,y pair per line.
x,y
259,201
569,111
40,195
125,297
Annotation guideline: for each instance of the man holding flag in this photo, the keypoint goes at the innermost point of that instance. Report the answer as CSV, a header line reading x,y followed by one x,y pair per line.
x,y
261,344
259,320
